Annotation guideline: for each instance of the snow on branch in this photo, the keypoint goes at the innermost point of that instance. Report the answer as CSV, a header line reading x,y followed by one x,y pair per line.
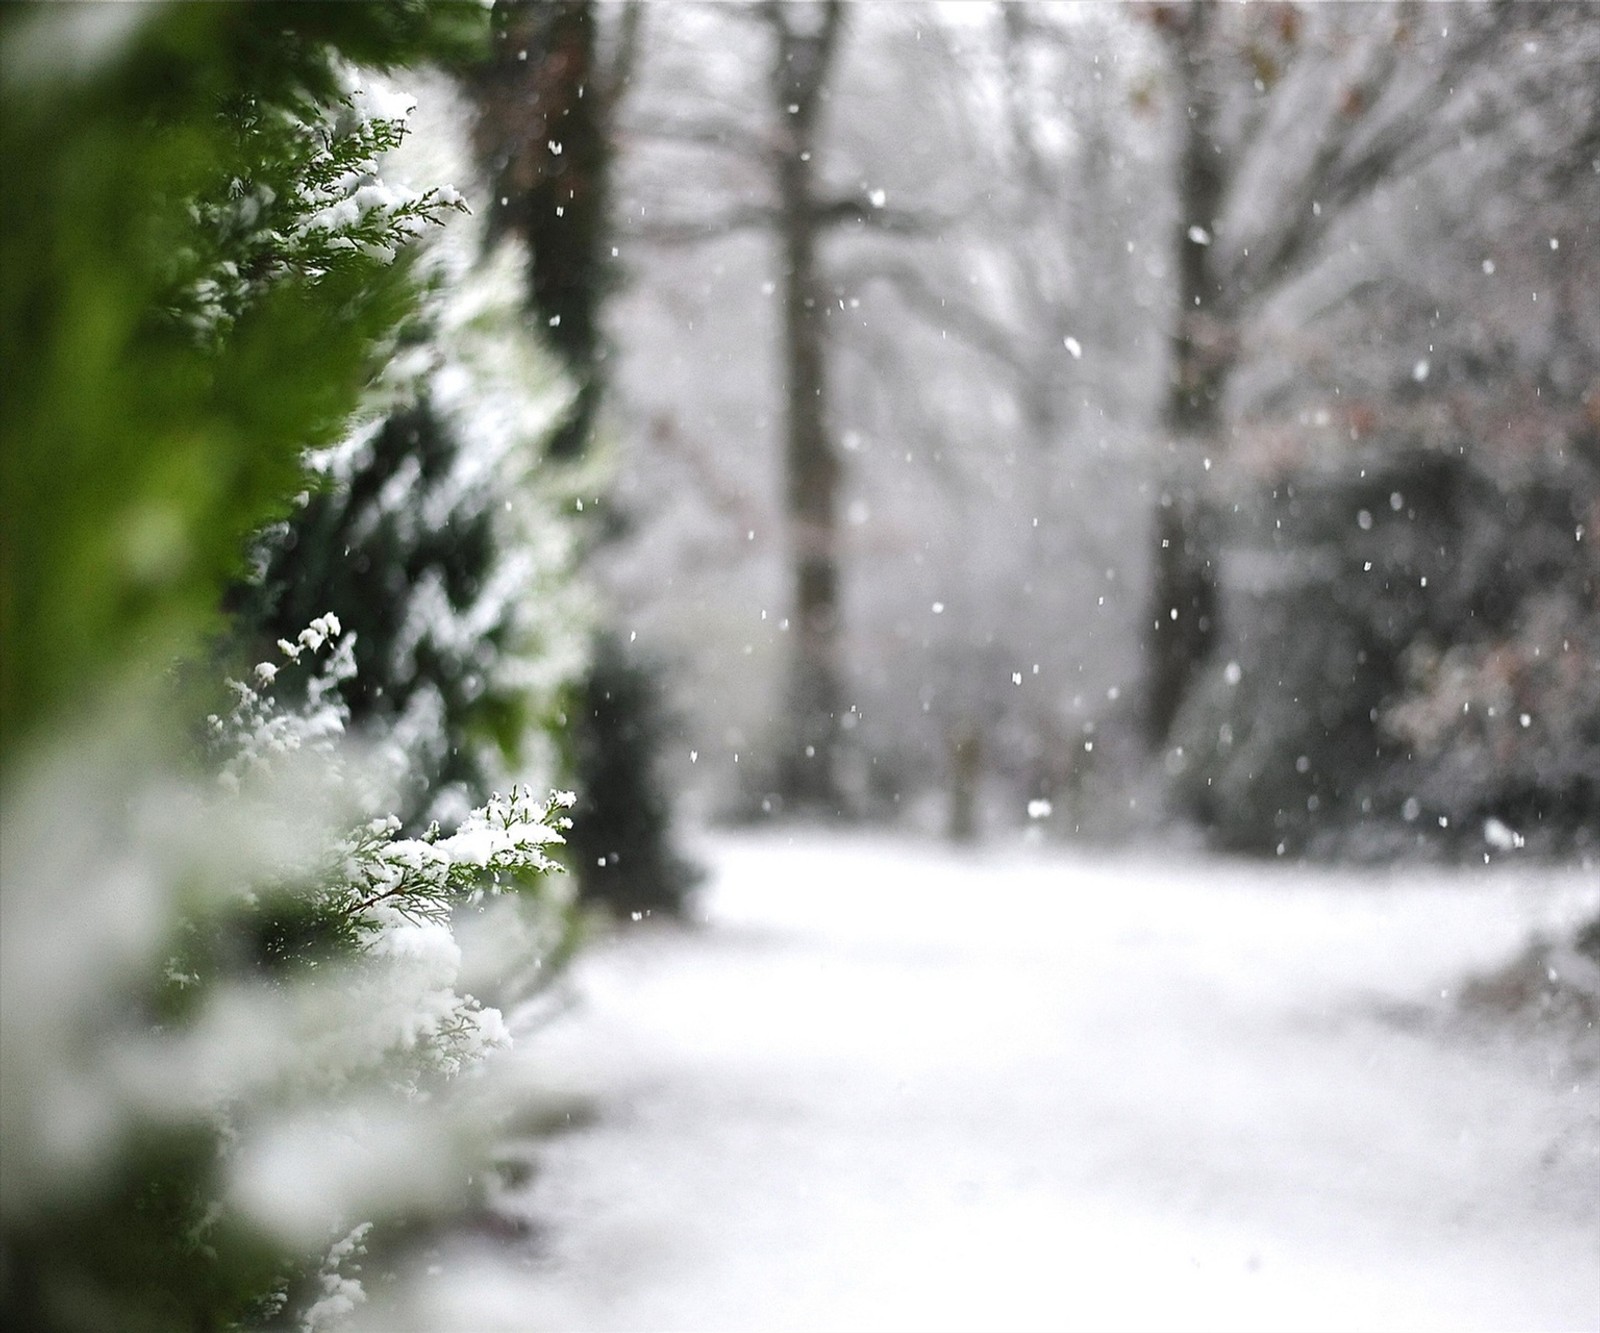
x,y
310,204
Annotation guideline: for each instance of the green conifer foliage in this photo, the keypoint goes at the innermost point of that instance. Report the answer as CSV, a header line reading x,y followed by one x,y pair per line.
x,y
348,552
165,366
434,535
223,975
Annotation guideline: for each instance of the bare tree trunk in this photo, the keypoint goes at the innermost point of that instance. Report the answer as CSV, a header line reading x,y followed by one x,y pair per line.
x,y
545,100
546,103
1381,122
1181,618
966,777
808,772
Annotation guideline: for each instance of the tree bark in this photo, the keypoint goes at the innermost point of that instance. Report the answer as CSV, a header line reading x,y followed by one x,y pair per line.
x,y
1376,124
544,104
1182,615
808,776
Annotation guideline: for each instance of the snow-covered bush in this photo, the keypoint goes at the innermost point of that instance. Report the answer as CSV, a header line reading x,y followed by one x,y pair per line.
x,y
173,343
432,533
1410,653
243,1032
1504,730
312,205
234,1007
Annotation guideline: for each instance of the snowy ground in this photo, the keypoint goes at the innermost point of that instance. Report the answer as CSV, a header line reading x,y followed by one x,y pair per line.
x,y
890,1086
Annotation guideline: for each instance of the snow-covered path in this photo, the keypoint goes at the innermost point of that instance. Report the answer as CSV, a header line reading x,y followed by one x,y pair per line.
x,y
899,1087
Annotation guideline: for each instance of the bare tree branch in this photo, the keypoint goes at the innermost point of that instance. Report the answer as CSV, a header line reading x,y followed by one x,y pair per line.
x,y
803,56
861,210
992,337
722,492
708,132
1357,153
697,231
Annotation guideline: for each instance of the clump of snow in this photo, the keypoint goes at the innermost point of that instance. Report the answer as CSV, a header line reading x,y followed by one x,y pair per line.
x,y
1501,836
340,1293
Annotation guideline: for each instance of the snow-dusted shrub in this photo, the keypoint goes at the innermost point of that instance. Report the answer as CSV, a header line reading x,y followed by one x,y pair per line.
x,y
1505,730
201,272
238,1020
312,205
235,1008
1410,652
432,532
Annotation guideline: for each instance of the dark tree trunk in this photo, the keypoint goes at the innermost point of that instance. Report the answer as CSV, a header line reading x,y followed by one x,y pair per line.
x,y
808,772
1181,617
1183,609
543,132
546,101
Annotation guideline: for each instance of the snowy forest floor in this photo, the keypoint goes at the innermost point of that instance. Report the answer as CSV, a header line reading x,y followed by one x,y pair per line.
x,y
894,1086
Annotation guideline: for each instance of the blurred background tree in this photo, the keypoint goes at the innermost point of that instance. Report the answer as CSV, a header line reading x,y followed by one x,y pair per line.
x,y
546,106
1194,288
952,291
1412,455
